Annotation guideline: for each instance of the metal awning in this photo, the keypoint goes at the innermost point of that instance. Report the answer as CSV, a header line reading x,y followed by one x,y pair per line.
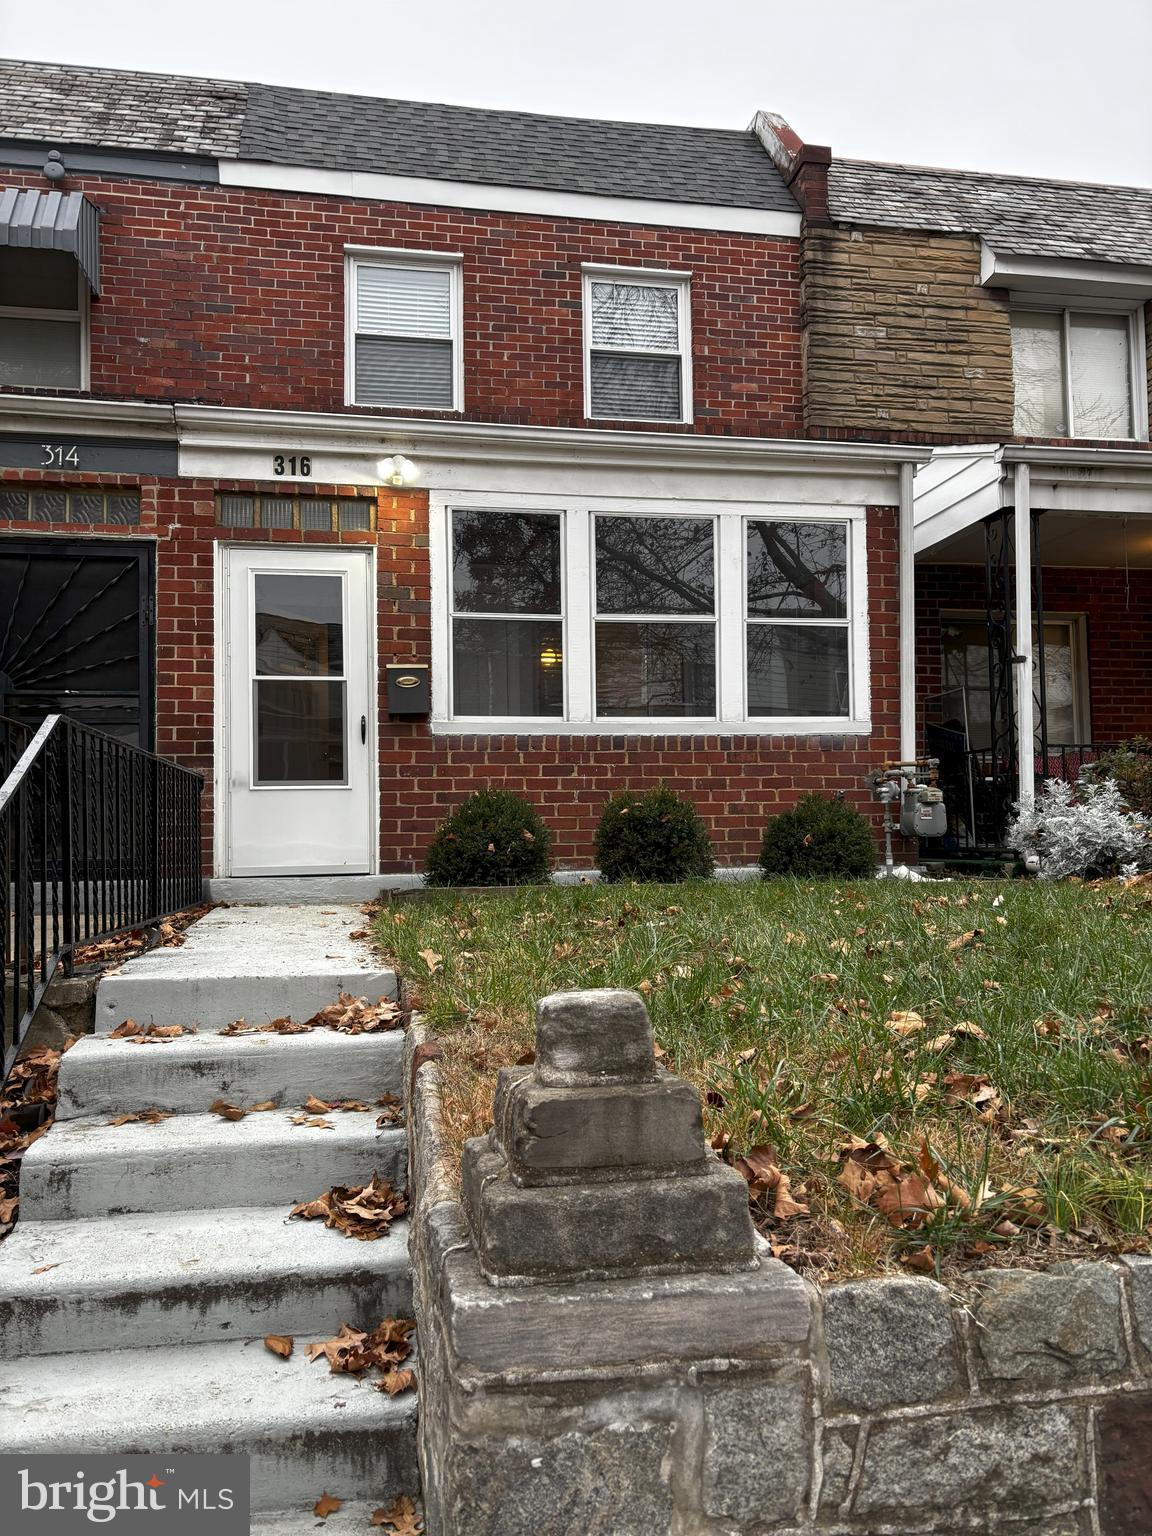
x,y
53,221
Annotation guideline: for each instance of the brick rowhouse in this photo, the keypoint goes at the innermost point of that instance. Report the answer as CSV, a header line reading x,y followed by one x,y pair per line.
x,y
235,298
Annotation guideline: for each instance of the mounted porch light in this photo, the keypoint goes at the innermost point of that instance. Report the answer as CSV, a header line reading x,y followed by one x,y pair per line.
x,y
397,470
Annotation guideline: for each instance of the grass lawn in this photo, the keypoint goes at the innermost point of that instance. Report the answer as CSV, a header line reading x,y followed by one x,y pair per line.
x,y
938,1075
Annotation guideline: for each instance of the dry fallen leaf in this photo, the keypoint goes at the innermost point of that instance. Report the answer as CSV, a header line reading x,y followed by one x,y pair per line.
x,y
44,1268
400,1517
431,959
365,1213
142,1117
279,1343
227,1111
326,1505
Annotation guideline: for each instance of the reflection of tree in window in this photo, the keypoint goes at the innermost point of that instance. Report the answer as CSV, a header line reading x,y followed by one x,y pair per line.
x,y
506,562
798,653
633,315
654,565
797,569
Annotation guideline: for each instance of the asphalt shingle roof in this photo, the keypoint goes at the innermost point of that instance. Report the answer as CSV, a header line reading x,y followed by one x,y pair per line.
x,y
1016,215
126,109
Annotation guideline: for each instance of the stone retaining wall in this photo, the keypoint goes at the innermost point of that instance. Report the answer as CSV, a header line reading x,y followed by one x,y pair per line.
x,y
710,1403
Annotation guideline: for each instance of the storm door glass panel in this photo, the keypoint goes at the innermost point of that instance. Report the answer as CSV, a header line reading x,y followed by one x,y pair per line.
x,y
1038,373
1101,375
299,693
966,703
798,629
650,570
507,615
1061,685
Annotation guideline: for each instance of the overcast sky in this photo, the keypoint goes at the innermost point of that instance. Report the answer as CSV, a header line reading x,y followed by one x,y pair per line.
x,y
1047,87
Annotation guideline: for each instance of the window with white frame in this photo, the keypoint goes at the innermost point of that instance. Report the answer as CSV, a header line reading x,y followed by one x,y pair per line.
x,y
1074,372
404,323
637,345
799,661
43,319
629,615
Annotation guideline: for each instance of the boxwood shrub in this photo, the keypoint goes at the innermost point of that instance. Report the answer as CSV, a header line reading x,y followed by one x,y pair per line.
x,y
492,838
819,838
654,836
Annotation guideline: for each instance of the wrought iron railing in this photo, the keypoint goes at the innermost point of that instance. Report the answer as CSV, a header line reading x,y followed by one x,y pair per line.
x,y
96,838
980,790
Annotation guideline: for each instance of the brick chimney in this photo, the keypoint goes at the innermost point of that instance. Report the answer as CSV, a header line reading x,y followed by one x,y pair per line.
x,y
803,166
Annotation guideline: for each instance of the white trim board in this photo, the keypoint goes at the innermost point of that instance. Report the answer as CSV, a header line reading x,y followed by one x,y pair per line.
x,y
379,187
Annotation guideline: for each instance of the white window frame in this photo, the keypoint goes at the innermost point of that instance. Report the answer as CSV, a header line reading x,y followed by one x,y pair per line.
x,y
358,256
1021,303
642,277
577,619
82,313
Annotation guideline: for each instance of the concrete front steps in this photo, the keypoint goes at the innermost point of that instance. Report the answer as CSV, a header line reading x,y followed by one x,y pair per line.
x,y
151,1259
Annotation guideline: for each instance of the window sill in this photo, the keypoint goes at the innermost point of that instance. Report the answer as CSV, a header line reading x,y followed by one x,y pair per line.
x,y
776,726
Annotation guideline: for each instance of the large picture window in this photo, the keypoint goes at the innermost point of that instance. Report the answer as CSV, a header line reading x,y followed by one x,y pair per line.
x,y
611,617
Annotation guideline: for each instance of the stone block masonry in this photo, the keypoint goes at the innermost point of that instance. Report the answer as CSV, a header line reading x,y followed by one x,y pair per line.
x,y
719,1395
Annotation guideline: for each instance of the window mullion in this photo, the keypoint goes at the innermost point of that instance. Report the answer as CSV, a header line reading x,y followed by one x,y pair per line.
x,y
577,599
1069,423
730,610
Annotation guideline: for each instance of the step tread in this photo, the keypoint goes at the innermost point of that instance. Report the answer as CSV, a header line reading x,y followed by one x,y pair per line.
x,y
90,1138
185,1397
353,1515
173,1250
102,1075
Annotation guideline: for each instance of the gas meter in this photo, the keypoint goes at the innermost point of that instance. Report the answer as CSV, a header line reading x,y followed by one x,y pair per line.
x,y
913,787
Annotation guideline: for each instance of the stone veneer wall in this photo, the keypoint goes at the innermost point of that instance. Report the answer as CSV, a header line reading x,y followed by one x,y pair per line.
x,y
899,336
877,1408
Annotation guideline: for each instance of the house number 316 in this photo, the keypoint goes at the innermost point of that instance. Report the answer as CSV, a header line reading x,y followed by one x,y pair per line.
x,y
292,465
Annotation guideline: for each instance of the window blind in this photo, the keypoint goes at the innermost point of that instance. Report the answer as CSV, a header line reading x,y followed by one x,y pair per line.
x,y
647,388
404,301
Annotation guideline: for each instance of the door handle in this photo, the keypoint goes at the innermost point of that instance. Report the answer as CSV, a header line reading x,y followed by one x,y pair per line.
x,y
363,729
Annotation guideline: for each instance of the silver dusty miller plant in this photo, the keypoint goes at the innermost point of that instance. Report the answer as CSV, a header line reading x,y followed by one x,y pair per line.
x,y
1082,829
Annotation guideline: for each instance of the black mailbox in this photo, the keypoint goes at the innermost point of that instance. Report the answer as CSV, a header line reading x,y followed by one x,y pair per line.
x,y
409,689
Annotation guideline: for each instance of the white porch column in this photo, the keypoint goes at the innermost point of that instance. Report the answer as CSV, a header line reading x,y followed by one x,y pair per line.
x,y
907,616
1025,700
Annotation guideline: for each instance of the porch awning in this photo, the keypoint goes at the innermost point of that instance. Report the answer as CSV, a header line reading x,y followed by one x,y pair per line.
x,y
53,221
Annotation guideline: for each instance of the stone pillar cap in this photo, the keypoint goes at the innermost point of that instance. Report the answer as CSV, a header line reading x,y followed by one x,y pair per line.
x,y
598,1036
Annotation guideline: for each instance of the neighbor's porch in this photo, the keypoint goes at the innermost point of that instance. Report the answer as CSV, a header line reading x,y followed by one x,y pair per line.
x,y
1033,625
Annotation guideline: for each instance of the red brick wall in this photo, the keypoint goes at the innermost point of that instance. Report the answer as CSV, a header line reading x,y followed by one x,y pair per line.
x,y
1118,610
737,782
236,297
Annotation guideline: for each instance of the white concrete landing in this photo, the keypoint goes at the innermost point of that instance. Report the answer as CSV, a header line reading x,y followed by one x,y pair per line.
x,y
254,963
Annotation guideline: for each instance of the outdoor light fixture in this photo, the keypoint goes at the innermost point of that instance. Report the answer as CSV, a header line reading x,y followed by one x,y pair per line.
x,y
550,657
398,470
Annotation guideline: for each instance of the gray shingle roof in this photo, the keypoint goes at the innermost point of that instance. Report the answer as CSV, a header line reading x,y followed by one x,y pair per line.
x,y
1016,215
78,105
75,104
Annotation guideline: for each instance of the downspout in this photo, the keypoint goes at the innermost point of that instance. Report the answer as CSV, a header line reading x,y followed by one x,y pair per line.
x,y
907,599
1025,701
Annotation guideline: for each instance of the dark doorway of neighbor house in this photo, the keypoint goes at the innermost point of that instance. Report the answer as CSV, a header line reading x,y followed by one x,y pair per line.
x,y
77,633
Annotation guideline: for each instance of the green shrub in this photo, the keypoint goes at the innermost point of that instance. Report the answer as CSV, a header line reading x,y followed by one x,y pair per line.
x,y
656,836
492,838
1131,766
819,838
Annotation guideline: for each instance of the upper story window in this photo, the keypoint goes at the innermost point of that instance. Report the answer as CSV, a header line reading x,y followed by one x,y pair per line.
x,y
637,345
1075,373
43,319
404,324
645,616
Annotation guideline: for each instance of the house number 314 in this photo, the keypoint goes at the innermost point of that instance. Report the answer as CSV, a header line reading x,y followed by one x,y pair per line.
x,y
292,465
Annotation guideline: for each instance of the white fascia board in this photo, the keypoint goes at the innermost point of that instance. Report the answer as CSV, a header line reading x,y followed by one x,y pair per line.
x,y
78,417
375,186
1056,276
221,443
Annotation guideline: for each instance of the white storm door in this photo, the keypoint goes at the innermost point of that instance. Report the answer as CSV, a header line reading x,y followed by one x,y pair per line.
x,y
300,711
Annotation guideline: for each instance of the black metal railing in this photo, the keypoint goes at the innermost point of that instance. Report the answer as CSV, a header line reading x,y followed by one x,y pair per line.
x,y
96,838
980,784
